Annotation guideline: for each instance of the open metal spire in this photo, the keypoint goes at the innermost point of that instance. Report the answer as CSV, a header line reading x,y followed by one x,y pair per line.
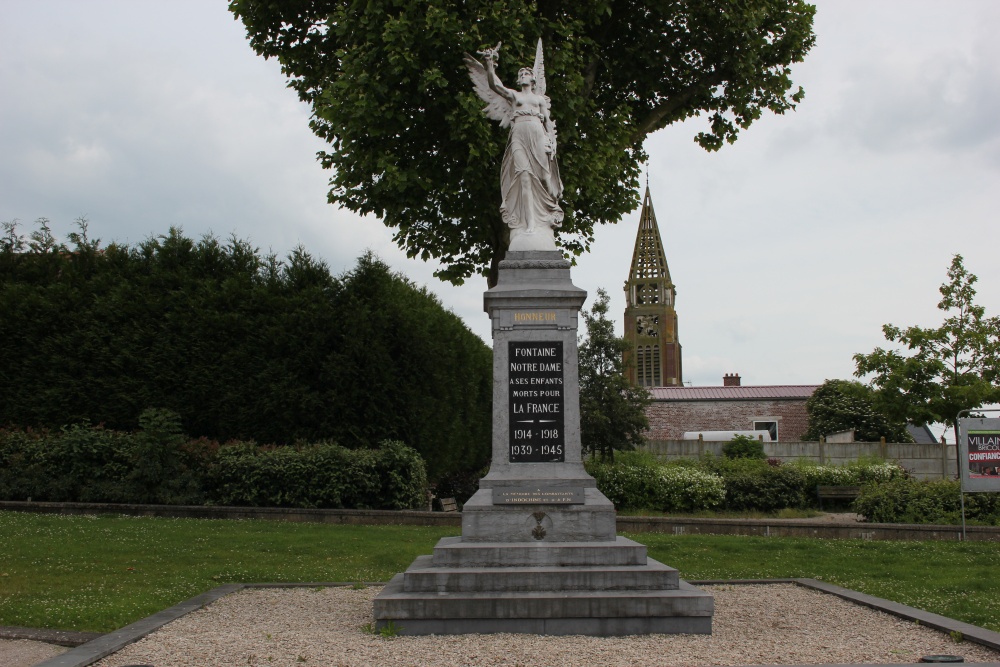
x,y
648,258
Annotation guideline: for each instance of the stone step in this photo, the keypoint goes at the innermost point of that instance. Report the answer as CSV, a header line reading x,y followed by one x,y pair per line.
x,y
451,613
422,575
593,627
453,552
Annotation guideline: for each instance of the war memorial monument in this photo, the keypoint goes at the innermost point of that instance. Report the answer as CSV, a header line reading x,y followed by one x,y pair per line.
x,y
538,551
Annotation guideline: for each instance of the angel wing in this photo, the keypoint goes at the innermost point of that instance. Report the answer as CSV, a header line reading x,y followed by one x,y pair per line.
x,y
539,69
497,108
539,74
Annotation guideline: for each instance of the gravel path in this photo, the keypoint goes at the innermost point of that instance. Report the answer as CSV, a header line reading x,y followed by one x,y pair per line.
x,y
25,653
754,625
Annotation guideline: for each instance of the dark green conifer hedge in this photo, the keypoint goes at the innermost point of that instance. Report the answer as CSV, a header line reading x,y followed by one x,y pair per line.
x,y
241,346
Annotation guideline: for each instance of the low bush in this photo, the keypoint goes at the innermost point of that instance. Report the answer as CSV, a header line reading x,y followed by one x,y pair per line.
x,y
855,473
86,463
749,484
753,484
902,500
324,475
158,464
744,447
634,482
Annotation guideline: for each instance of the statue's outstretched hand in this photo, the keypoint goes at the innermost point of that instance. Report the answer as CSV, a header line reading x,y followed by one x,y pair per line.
x,y
491,55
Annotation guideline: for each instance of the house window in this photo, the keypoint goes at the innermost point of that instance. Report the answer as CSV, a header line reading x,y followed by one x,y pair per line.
x,y
770,426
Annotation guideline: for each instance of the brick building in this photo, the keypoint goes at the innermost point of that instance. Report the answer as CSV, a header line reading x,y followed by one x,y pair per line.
x,y
778,409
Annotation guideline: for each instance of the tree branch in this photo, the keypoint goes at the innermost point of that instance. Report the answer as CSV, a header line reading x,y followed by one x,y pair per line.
x,y
590,77
676,102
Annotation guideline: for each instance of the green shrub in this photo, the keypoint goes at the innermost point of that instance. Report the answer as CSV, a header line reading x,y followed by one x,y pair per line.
x,y
158,473
911,501
77,463
758,485
83,463
323,475
752,484
744,447
641,484
855,473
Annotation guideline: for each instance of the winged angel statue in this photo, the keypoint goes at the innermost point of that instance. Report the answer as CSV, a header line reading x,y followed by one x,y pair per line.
x,y
530,185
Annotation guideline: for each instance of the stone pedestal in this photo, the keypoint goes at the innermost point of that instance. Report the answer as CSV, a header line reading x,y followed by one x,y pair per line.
x,y
538,551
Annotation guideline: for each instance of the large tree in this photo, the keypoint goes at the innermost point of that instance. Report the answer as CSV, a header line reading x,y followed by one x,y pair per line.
x,y
390,93
612,409
843,405
942,370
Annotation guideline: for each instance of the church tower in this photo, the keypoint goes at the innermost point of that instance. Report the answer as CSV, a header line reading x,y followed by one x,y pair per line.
x,y
650,318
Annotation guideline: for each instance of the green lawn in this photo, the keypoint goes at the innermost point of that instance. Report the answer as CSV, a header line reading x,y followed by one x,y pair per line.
x,y
100,573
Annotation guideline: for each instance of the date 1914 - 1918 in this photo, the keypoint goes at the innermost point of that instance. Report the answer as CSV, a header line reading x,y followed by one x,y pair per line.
x,y
536,402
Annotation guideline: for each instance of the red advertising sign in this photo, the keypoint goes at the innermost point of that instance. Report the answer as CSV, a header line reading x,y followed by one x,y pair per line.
x,y
979,454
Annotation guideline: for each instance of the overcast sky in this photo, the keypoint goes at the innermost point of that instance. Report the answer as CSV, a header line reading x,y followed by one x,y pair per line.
x,y
789,248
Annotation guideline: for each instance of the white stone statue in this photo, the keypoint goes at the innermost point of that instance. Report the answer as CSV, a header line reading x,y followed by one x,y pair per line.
x,y
530,186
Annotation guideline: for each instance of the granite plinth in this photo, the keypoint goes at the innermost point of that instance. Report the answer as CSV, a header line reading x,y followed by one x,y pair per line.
x,y
603,588
593,520
455,552
602,613
423,576
592,627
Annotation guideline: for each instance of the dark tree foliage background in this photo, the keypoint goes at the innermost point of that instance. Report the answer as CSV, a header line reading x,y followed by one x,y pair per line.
x,y
242,346
842,405
612,409
408,141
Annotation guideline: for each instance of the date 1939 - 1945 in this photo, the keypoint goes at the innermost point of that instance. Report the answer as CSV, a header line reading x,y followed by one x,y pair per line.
x,y
530,450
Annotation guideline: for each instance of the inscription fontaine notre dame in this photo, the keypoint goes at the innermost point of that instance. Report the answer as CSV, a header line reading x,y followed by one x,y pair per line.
x,y
536,398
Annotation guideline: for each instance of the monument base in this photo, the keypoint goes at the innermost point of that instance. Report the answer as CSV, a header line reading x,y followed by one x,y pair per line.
x,y
608,588
592,520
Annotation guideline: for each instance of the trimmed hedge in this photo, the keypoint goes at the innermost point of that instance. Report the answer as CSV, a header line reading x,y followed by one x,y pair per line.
x,y
324,475
752,484
663,489
936,502
85,463
639,481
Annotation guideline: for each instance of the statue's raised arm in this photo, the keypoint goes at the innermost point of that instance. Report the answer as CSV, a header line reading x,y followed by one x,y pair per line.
x,y
499,106
530,186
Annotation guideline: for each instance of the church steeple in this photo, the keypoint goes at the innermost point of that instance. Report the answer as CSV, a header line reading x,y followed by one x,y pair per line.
x,y
650,318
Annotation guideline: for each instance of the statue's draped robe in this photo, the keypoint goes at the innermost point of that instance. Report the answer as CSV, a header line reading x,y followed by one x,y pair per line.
x,y
525,152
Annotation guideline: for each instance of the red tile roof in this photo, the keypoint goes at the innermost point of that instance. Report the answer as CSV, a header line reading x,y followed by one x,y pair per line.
x,y
780,391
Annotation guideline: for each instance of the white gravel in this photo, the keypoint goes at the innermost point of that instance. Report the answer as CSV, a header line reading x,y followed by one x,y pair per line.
x,y
754,625
24,653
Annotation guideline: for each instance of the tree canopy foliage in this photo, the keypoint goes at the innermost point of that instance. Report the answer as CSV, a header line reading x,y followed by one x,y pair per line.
x,y
612,409
390,94
843,405
242,346
940,371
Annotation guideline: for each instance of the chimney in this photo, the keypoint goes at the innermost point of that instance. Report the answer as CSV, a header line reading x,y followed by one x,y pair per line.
x,y
731,380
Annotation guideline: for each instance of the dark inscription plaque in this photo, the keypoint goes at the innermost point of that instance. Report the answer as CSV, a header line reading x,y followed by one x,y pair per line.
x,y
536,402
